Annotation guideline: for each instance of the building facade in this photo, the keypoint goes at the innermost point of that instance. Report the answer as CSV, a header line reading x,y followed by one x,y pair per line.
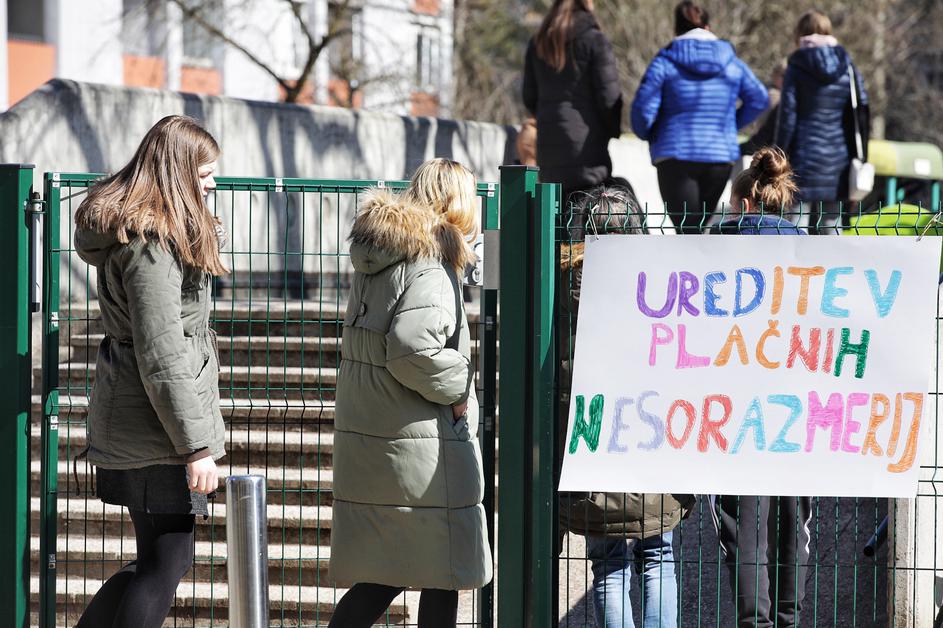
x,y
387,55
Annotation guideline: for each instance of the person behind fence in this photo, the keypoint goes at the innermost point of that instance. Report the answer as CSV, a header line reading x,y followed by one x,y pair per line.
x,y
571,85
408,483
686,109
154,422
764,540
816,122
624,531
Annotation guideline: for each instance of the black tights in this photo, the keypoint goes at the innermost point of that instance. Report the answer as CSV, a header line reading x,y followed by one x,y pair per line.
x,y
364,604
141,593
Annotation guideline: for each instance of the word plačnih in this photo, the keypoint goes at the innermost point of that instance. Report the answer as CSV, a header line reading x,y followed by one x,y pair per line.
x,y
811,353
786,434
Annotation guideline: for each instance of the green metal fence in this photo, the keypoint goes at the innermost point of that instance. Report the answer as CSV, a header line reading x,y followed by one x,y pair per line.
x,y
550,574
278,315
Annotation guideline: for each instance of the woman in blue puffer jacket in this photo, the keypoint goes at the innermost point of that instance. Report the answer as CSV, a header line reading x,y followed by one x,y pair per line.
x,y
686,108
815,126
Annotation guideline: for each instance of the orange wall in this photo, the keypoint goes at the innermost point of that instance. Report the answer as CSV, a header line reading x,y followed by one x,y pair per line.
x,y
144,71
427,7
29,65
201,80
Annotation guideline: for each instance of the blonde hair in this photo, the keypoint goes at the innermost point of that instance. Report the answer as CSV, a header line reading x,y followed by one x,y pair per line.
x,y
448,189
157,195
813,22
767,183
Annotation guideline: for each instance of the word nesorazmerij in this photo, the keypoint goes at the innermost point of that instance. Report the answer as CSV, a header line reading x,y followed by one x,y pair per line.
x,y
775,428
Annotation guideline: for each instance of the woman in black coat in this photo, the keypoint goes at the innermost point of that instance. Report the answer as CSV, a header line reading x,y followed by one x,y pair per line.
x,y
815,126
571,85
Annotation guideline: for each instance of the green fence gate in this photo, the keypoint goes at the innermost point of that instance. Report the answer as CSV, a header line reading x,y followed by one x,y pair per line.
x,y
279,315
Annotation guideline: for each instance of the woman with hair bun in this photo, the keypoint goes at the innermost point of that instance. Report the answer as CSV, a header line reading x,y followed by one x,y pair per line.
x,y
686,109
764,540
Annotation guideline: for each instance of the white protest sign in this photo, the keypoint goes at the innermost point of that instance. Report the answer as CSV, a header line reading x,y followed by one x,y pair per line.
x,y
752,365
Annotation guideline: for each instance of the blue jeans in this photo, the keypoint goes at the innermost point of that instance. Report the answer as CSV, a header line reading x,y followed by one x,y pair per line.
x,y
613,558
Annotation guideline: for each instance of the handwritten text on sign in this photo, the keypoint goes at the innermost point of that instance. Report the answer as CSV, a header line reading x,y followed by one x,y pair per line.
x,y
765,365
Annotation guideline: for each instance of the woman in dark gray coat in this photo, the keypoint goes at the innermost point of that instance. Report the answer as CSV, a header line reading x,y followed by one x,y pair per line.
x,y
571,85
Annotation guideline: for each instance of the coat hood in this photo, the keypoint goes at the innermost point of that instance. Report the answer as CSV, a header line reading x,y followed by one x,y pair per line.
x,y
583,21
826,64
701,57
93,246
389,230
757,224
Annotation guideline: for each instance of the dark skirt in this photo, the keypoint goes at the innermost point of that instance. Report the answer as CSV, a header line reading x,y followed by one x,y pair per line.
x,y
160,488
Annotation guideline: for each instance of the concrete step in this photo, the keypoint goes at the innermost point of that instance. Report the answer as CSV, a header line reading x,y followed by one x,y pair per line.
x,y
204,601
234,381
288,564
286,486
258,318
280,414
286,524
246,445
259,351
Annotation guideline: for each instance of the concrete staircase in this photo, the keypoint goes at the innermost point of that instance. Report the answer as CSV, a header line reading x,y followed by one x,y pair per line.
x,y
278,375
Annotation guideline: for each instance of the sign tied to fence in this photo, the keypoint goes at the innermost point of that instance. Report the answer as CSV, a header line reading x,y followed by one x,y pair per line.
x,y
752,365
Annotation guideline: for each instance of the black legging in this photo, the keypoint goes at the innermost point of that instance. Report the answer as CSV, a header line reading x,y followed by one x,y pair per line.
x,y
691,191
141,593
364,604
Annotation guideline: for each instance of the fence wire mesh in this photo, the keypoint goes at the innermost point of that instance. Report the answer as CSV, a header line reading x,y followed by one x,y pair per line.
x,y
279,316
853,577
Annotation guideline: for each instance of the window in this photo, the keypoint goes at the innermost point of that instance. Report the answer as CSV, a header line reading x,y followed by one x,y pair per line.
x,y
428,59
346,50
199,45
25,19
141,34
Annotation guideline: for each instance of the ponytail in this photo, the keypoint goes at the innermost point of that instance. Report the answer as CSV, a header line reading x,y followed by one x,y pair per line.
x,y
768,182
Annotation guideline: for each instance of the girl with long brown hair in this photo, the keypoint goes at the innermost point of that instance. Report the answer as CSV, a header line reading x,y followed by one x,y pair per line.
x,y
154,422
571,85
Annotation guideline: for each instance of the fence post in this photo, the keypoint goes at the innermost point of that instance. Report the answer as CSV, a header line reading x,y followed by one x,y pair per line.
x,y
16,371
488,357
247,551
525,531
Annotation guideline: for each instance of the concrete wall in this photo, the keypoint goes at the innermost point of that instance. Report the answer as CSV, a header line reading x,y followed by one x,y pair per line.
x,y
74,127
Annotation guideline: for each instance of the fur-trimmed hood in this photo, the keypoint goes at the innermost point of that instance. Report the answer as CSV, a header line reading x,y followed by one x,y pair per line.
x,y
388,230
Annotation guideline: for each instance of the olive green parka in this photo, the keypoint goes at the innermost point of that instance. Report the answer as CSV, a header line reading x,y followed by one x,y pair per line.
x,y
408,483
156,393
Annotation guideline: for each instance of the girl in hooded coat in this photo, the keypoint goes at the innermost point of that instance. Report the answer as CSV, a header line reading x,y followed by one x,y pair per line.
x,y
408,481
623,531
815,126
154,423
686,109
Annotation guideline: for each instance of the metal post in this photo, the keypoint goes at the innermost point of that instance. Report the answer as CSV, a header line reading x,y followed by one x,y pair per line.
x,y
247,551
15,371
517,188
488,356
